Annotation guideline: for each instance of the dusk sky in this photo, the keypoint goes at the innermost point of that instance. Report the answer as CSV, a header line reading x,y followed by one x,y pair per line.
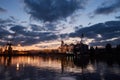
x,y
44,23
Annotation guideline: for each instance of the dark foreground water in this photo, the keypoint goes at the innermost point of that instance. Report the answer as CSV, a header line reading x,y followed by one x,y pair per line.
x,y
58,68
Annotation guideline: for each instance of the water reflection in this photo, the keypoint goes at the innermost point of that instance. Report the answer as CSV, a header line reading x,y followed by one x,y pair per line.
x,y
58,68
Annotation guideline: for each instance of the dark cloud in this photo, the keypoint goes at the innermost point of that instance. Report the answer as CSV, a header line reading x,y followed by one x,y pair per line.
x,y
4,36
35,27
117,17
46,27
26,37
2,9
17,28
23,21
52,10
50,27
12,17
5,21
3,32
34,37
115,7
107,31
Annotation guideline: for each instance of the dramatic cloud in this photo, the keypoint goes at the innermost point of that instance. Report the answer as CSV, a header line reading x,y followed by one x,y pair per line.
x,y
52,10
33,34
3,32
35,27
2,9
115,7
26,37
6,24
30,38
45,27
102,33
4,36
17,29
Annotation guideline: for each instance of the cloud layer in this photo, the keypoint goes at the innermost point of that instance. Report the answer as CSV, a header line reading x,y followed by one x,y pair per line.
x,y
102,33
52,10
22,34
105,9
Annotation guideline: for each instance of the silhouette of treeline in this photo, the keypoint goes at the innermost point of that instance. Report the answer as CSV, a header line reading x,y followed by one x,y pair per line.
x,y
108,50
72,49
84,49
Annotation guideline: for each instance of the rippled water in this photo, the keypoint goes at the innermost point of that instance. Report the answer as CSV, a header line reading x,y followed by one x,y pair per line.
x,y
58,68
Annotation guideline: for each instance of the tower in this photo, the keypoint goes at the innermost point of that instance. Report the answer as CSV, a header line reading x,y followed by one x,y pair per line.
x,y
82,36
62,43
8,48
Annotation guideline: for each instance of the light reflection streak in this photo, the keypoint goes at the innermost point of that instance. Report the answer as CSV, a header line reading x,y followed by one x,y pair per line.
x,y
91,68
37,62
17,66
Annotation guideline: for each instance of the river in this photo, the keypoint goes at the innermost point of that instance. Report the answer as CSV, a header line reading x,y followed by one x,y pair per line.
x,y
58,68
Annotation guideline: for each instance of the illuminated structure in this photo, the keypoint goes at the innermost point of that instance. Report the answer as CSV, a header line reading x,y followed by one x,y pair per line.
x,y
8,49
80,48
65,48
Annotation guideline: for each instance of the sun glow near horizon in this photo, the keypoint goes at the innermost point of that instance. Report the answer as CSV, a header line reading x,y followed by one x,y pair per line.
x,y
53,44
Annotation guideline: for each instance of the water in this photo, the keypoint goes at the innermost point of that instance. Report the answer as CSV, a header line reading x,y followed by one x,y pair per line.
x,y
58,68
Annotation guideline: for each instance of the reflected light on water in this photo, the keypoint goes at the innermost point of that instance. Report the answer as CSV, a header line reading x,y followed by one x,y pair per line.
x,y
37,62
115,69
55,68
91,68
67,78
17,66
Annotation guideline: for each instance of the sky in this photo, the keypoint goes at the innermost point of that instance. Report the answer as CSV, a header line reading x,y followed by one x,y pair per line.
x,y
44,23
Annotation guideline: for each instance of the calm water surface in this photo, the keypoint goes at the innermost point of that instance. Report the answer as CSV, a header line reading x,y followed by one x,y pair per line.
x,y
58,68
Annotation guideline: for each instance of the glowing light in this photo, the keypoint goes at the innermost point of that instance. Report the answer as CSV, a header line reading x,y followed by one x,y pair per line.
x,y
88,41
17,66
91,68
53,44
19,45
9,36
